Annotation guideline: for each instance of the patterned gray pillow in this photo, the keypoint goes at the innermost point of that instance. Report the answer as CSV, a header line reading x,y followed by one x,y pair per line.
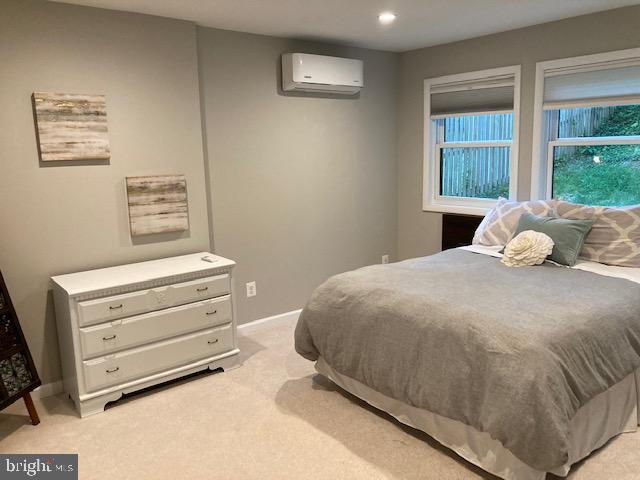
x,y
500,223
614,238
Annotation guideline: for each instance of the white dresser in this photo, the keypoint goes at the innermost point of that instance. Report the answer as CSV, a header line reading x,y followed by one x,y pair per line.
x,y
125,328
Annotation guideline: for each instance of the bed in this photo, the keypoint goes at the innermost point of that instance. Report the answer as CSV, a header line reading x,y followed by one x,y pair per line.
x,y
521,371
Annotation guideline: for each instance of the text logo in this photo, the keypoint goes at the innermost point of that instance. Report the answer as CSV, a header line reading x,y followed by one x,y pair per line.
x,y
46,466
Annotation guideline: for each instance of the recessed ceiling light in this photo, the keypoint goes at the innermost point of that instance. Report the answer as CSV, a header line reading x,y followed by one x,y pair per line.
x,y
385,18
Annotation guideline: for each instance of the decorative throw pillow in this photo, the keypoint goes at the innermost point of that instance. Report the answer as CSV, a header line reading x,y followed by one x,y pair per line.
x,y
615,236
567,235
500,223
527,248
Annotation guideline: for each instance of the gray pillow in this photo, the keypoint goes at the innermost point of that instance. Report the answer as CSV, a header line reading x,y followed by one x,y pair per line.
x,y
615,236
567,235
498,225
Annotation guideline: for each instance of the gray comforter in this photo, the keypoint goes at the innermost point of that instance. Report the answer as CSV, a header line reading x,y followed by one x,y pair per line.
x,y
514,352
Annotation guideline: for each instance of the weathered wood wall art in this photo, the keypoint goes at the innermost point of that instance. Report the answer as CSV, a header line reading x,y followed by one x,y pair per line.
x,y
157,204
71,127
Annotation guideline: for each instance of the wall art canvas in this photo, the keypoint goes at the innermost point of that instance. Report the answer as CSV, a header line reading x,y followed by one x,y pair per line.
x,y
157,204
71,127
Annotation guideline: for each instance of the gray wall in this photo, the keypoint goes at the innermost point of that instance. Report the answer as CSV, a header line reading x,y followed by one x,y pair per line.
x,y
419,233
302,187
59,219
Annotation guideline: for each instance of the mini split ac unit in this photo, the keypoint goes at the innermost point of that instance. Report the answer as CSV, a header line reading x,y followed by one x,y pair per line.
x,y
319,73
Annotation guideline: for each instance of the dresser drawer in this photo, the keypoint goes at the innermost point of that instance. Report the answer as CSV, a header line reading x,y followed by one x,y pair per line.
x,y
150,327
125,366
106,309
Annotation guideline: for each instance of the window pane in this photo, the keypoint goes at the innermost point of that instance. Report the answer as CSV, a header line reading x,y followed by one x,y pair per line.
x,y
597,175
477,128
599,121
481,172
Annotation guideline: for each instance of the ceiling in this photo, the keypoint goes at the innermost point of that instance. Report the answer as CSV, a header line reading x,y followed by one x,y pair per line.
x,y
419,23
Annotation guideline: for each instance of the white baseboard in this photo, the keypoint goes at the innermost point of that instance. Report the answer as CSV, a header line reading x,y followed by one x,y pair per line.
x,y
292,315
48,389
53,388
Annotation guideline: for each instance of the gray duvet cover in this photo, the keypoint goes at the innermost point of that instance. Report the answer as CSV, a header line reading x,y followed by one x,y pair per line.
x,y
513,352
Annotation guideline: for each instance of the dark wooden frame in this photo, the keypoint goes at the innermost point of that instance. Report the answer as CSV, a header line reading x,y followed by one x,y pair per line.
x,y
458,230
20,347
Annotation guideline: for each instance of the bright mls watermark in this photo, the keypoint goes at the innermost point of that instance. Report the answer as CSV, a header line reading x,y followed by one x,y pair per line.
x,y
46,466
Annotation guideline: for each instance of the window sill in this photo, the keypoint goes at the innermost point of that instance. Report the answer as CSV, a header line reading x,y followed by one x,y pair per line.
x,y
460,209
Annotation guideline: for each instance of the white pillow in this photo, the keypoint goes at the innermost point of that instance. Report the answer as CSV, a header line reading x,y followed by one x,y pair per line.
x,y
499,225
526,249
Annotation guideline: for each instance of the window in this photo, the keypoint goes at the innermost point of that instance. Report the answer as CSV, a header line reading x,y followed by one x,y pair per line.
x,y
594,155
588,120
470,140
474,155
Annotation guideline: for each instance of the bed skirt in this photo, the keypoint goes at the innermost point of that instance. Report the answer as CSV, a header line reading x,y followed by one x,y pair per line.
x,y
612,412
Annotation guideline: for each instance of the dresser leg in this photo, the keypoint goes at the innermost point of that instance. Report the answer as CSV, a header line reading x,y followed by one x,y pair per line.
x,y
31,408
97,404
227,363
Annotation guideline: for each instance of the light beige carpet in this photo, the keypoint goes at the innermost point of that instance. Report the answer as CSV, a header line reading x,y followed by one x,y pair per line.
x,y
272,418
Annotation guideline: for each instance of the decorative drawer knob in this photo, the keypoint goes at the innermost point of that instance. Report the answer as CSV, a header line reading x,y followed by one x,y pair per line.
x,y
212,313
116,307
110,337
203,289
211,342
112,370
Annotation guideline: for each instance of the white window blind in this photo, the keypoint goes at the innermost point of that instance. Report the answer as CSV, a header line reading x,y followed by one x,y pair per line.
x,y
482,95
606,83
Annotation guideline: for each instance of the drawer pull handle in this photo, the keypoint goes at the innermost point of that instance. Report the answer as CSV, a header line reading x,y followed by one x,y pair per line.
x,y
116,307
112,370
111,337
211,342
212,313
203,289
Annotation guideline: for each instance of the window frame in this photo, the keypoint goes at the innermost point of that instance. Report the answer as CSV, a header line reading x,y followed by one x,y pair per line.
x,y
545,128
432,201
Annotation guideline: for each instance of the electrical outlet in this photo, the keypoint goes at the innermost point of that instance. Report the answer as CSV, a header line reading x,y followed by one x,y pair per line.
x,y
385,258
251,289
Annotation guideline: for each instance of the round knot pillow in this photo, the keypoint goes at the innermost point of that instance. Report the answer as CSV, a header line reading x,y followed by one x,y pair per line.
x,y
527,248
